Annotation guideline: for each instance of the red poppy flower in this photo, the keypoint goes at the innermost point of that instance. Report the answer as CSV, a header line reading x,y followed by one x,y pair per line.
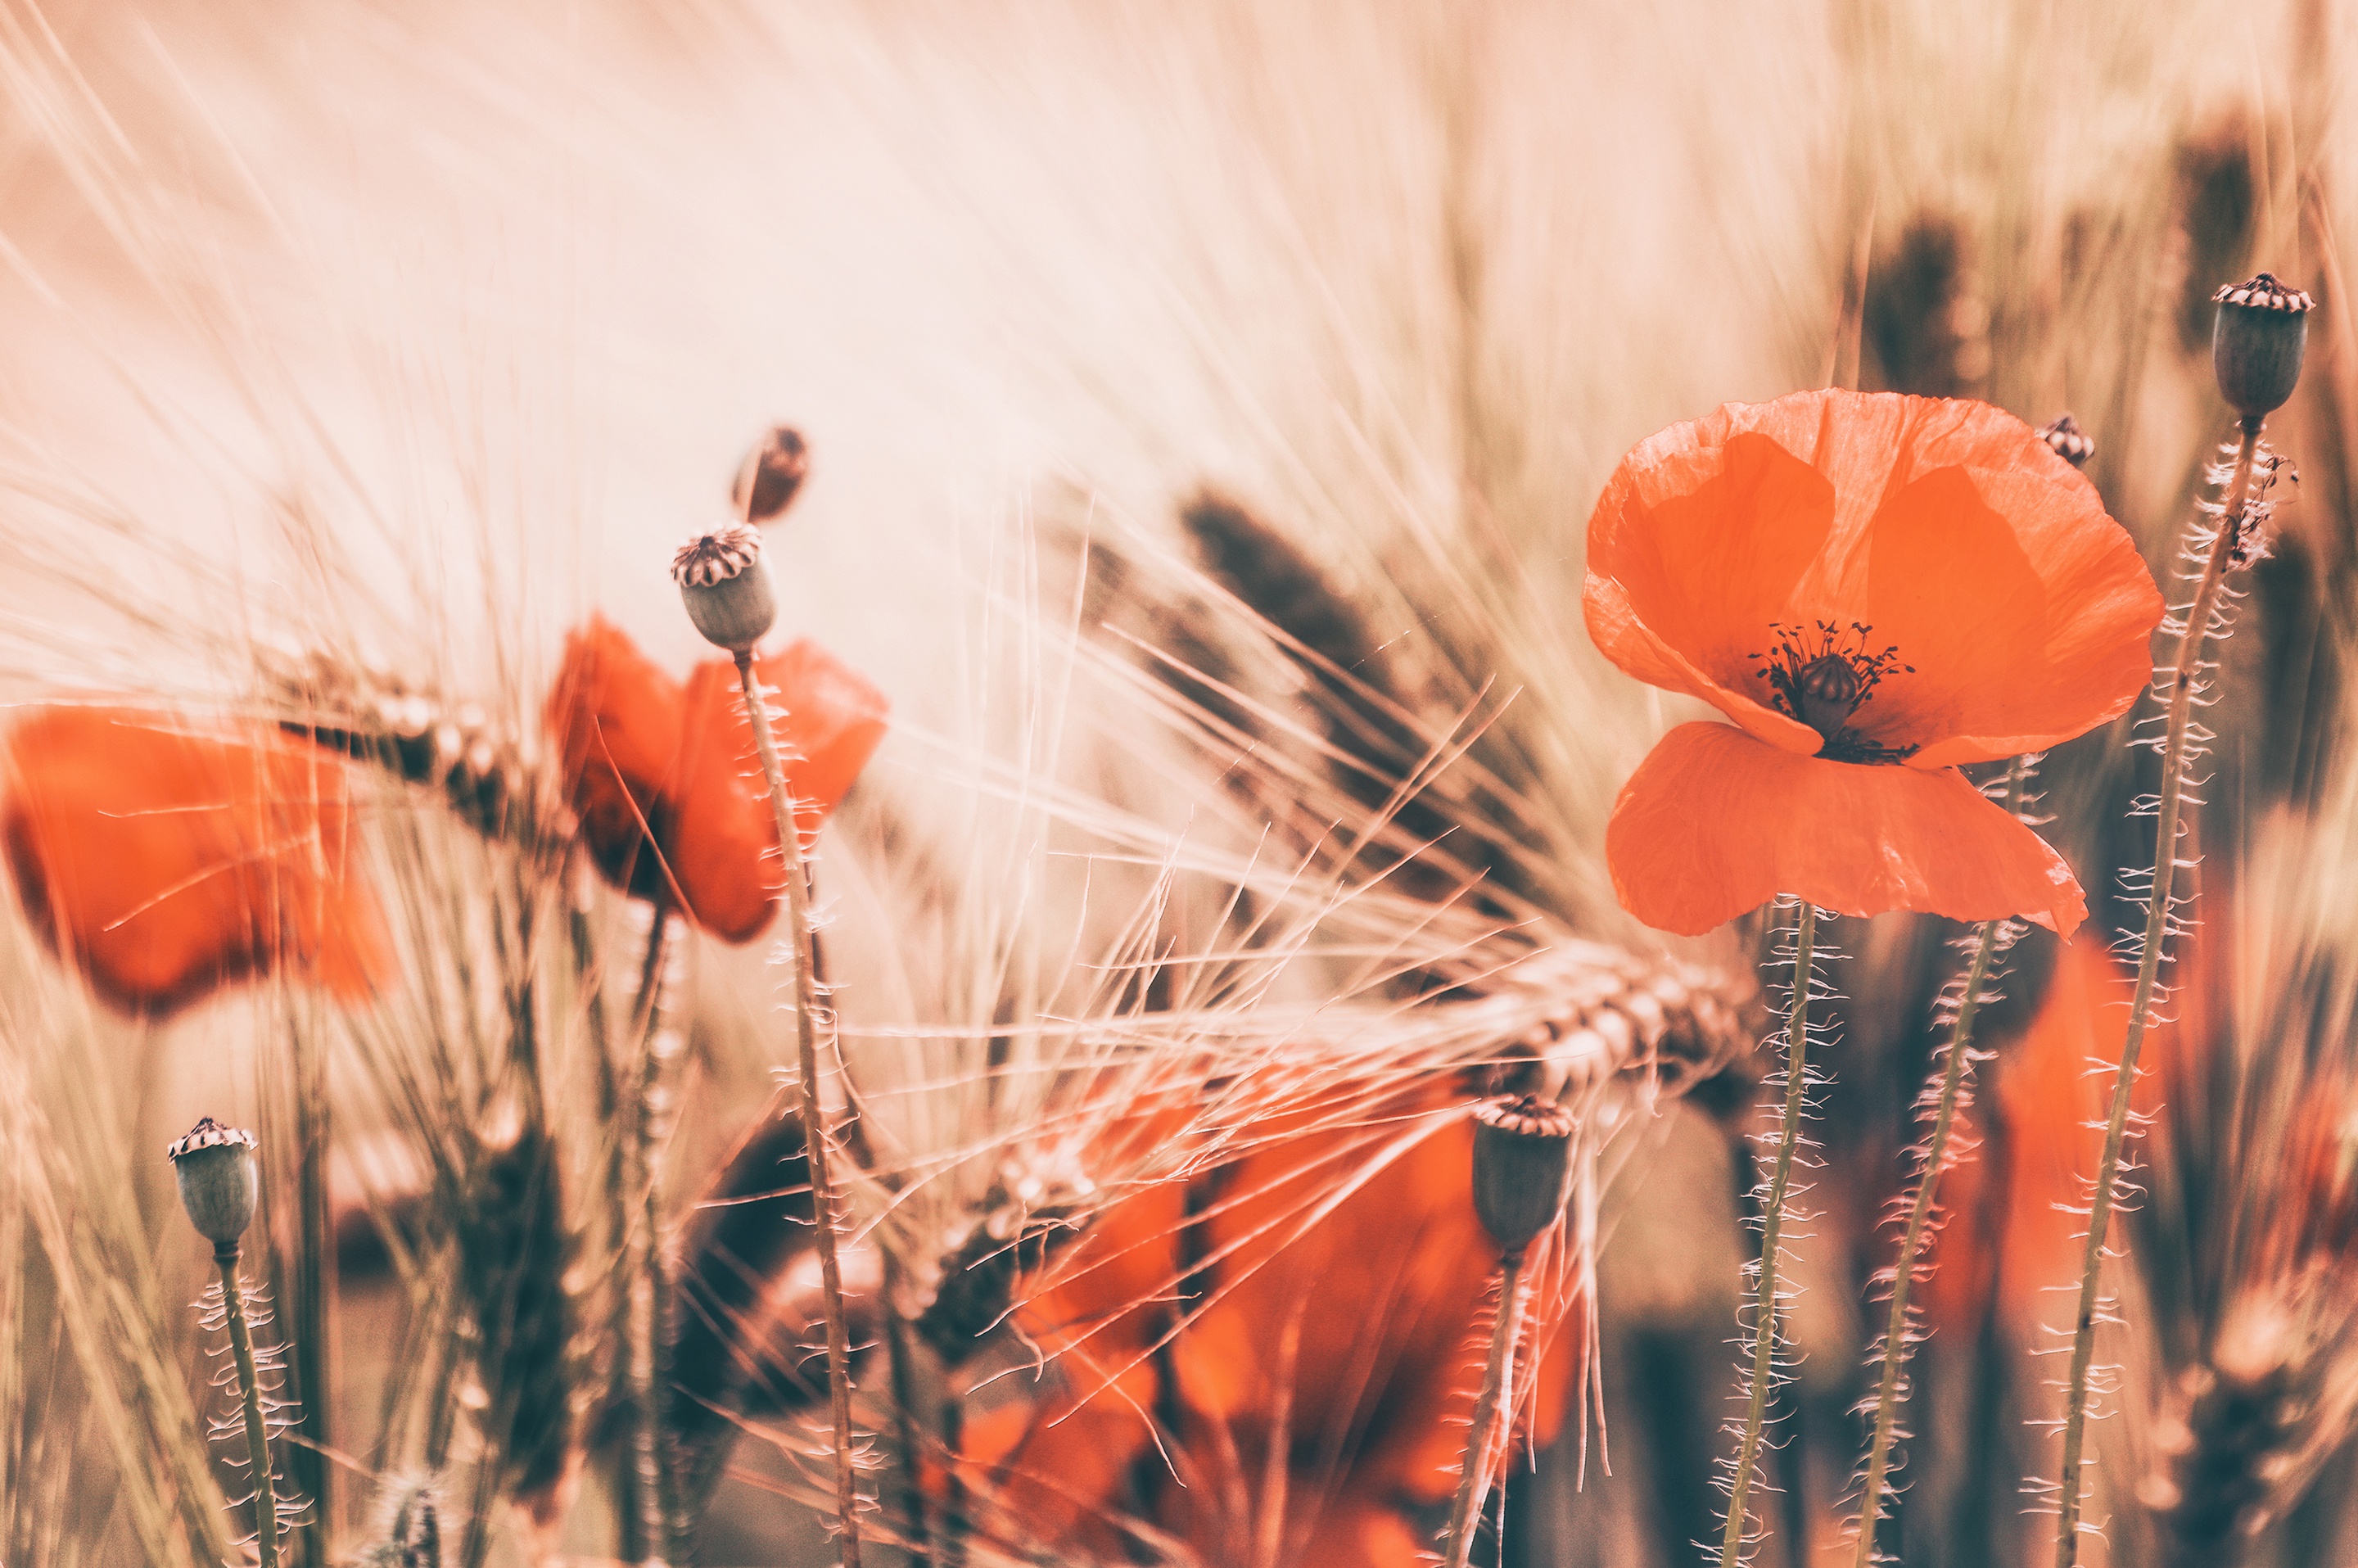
x,y
164,863
1874,589
666,779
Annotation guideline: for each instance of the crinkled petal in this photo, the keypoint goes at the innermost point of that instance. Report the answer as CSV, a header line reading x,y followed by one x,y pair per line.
x,y
614,716
165,864
1715,823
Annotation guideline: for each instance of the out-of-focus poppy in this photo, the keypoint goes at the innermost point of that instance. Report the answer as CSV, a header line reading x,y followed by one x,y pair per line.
x,y
1346,1282
1874,589
665,780
164,863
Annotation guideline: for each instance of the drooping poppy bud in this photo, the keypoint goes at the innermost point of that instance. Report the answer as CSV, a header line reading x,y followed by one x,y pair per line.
x,y
2257,342
772,473
220,1177
726,592
1522,1160
2070,442
165,864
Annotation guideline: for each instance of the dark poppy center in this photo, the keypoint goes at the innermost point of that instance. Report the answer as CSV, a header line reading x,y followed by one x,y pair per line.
x,y
1822,674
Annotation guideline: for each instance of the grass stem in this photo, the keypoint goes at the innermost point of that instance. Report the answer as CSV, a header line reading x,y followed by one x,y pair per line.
x,y
823,1200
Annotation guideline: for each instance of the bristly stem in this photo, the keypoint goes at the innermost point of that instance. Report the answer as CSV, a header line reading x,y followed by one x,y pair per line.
x,y
2183,679
249,1388
823,1203
1772,1223
1497,1383
1986,943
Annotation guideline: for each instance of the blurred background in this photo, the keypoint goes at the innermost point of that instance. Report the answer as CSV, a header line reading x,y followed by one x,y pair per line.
x,y
409,336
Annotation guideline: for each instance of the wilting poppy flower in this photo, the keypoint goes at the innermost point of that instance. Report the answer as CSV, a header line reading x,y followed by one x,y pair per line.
x,y
1876,589
666,779
164,863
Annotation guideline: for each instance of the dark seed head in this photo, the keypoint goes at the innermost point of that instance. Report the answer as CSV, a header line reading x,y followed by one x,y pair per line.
x,y
2070,442
1830,691
2257,342
726,592
220,1179
1522,1161
771,474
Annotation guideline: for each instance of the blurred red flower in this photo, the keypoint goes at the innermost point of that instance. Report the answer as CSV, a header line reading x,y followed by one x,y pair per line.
x,y
164,863
666,779
1876,588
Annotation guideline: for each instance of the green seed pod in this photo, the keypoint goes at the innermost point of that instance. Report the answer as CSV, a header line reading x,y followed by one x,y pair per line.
x,y
1523,1163
2256,343
770,475
220,1179
726,592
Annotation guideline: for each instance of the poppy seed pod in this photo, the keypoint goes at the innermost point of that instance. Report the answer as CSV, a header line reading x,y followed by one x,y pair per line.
x,y
220,1180
770,475
726,592
2256,343
1522,1159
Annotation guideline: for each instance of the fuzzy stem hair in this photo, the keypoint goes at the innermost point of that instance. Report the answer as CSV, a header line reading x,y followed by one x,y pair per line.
x,y
1498,1382
823,1199
2184,678
249,1388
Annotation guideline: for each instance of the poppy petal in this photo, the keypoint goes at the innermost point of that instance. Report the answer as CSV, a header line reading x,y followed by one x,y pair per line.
x,y
1693,550
724,840
1715,823
166,864
615,718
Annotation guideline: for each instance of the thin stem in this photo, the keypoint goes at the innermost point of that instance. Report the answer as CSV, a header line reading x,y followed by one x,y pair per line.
x,y
917,1533
823,1204
1498,1380
249,1388
2184,676
1772,1225
1920,1215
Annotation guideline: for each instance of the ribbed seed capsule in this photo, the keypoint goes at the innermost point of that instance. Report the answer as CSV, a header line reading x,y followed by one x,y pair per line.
x,y
220,1177
2068,441
1523,1163
2257,342
726,592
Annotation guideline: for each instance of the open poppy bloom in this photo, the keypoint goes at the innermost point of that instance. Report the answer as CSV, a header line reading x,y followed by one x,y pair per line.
x,y
165,864
1341,1276
666,780
1876,588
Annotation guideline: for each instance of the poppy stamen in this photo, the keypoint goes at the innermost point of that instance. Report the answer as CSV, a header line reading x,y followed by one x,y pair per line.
x,y
1823,673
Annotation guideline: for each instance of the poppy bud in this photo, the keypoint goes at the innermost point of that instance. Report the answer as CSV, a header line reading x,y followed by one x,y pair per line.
x,y
769,476
726,592
2070,442
219,1179
1522,1159
2256,343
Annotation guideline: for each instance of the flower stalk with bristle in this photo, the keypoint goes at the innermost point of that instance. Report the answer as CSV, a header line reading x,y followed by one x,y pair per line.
x,y
215,1168
2256,352
1990,943
727,596
1765,1299
1523,1163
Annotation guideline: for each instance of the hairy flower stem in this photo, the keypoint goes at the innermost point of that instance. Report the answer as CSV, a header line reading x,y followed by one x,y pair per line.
x,y
2183,679
249,1388
1772,1225
1920,1215
823,1203
1498,1382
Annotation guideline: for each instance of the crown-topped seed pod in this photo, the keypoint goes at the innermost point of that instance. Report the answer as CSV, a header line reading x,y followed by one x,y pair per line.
x,y
2257,342
220,1180
2070,442
770,475
726,592
1523,1158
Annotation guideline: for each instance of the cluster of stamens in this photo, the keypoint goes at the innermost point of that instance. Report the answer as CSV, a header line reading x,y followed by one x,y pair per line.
x,y
1822,675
